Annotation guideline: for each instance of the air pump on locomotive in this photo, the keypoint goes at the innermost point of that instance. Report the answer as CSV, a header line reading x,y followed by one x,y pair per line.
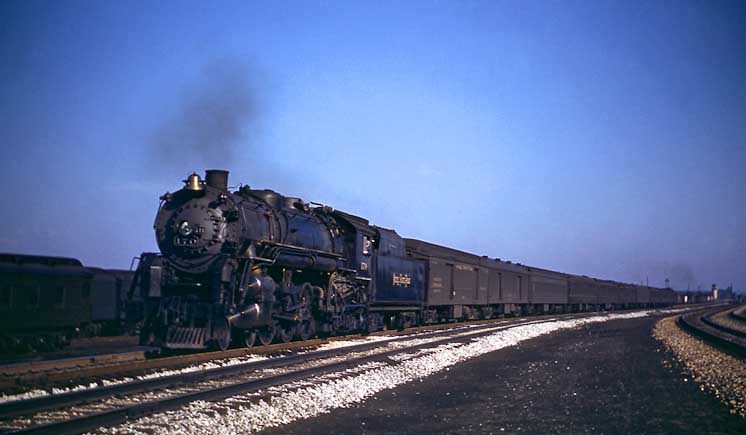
x,y
255,265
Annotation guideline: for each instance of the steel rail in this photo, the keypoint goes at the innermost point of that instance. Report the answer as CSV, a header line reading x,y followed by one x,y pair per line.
x,y
15,369
52,401
694,324
710,321
119,415
739,314
69,374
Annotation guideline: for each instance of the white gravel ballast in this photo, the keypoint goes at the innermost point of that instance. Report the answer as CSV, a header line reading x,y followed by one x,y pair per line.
x,y
284,404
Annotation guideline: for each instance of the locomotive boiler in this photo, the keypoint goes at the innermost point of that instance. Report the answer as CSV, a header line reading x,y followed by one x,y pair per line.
x,y
253,265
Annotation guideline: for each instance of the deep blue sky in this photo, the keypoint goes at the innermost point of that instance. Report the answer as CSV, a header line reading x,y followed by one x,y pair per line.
x,y
593,137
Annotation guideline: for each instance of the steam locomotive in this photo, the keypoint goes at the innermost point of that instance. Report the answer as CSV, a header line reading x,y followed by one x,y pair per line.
x,y
253,266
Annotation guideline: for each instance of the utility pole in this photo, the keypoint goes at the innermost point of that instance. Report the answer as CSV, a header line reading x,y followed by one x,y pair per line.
x,y
667,283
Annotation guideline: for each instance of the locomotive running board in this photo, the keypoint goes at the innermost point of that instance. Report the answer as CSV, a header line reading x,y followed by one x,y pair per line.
x,y
185,338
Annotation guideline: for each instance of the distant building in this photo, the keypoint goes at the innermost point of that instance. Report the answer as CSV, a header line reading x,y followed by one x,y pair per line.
x,y
727,293
715,294
694,297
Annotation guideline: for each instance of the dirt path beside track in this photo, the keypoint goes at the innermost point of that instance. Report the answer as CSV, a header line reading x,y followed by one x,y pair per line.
x,y
605,378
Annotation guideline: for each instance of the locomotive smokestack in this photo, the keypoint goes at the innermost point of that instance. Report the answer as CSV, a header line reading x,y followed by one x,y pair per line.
x,y
217,178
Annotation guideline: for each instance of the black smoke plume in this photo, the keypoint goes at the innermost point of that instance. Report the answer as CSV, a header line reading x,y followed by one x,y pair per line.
x,y
680,274
215,114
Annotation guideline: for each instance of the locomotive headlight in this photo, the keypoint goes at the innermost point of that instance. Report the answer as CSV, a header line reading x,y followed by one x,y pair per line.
x,y
185,229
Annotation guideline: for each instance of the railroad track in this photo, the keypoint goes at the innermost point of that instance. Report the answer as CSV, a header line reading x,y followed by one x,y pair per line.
x,y
115,404
728,322
719,327
96,366
17,370
739,313
97,407
67,372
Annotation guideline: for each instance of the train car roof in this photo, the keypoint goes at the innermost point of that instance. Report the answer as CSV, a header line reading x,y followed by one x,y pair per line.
x,y
111,273
428,248
547,272
431,249
607,282
44,260
42,265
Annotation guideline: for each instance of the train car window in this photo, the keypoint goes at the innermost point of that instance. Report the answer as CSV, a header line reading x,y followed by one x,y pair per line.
x,y
59,296
520,287
500,285
33,297
6,296
85,292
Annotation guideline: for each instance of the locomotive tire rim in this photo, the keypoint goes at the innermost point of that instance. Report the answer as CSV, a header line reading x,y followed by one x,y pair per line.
x,y
266,335
306,330
285,332
223,341
249,338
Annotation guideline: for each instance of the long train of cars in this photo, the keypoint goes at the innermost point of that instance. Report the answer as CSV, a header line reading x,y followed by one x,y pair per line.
x,y
46,301
255,266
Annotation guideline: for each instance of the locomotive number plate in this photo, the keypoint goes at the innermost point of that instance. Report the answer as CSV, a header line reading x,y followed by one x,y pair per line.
x,y
185,241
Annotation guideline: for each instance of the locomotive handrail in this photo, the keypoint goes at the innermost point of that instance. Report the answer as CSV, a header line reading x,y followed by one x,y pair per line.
x,y
134,283
301,249
255,257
